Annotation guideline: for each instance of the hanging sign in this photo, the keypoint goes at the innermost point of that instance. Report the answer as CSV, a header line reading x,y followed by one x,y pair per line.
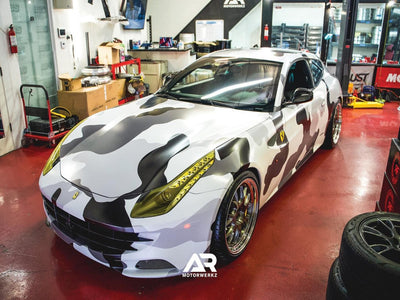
x,y
234,4
388,77
361,75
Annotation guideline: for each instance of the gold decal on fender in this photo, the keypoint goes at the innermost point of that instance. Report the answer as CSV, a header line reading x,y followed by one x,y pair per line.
x,y
282,135
75,195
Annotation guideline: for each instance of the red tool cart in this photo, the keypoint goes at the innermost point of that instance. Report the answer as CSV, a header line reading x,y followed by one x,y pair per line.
x,y
44,124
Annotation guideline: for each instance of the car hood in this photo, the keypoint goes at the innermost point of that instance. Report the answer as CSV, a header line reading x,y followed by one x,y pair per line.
x,y
139,146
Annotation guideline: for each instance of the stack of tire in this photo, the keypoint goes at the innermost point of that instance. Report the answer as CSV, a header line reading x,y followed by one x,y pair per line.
x,y
368,266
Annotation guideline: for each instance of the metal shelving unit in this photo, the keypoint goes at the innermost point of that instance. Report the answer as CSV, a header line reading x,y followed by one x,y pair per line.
x,y
297,37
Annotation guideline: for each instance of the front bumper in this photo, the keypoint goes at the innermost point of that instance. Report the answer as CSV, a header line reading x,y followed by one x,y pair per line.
x,y
152,247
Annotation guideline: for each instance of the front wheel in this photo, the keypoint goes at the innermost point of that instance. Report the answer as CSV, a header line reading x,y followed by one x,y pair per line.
x,y
236,218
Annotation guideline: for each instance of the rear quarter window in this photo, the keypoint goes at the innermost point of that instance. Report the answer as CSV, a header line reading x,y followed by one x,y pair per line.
x,y
317,70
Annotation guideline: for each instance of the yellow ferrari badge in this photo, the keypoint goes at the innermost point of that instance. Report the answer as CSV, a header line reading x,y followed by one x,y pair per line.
x,y
282,135
75,195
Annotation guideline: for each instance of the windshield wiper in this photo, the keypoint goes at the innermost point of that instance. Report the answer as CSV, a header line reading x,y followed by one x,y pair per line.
x,y
177,97
254,106
218,103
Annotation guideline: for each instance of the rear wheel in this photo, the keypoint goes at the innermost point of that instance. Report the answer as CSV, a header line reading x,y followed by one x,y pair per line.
x,y
332,134
236,218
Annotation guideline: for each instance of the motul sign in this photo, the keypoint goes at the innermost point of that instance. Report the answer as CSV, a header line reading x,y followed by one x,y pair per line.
x,y
388,77
392,77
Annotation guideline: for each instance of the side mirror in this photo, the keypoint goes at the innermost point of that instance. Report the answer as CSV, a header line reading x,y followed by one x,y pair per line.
x,y
302,95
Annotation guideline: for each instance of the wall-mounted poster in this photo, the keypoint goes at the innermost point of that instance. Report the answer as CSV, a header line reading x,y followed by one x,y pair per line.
x,y
135,12
209,30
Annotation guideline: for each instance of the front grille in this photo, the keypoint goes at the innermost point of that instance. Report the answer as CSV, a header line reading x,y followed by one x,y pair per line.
x,y
94,236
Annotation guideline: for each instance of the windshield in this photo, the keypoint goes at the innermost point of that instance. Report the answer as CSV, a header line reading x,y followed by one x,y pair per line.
x,y
237,83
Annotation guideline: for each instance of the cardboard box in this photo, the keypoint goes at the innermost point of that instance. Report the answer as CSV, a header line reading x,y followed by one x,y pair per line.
x,y
115,90
109,53
154,67
154,81
153,71
88,101
84,102
111,103
68,83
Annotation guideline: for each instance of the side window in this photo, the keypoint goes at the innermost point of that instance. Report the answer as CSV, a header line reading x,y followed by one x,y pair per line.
x,y
299,76
317,70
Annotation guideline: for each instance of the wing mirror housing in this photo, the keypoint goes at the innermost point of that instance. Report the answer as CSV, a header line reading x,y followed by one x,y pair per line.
x,y
302,95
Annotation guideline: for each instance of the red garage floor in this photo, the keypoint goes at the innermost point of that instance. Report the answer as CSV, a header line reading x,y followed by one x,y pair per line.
x,y
295,241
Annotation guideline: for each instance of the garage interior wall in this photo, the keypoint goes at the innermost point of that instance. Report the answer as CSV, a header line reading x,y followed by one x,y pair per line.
x,y
247,32
81,19
167,20
298,14
12,81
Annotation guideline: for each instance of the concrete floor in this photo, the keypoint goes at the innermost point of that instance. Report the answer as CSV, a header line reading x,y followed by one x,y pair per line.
x,y
295,241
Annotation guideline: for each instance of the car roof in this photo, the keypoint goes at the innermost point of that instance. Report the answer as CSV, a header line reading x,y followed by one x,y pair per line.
x,y
269,54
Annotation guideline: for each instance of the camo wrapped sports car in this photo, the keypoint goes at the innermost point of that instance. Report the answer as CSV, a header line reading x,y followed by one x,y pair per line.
x,y
144,186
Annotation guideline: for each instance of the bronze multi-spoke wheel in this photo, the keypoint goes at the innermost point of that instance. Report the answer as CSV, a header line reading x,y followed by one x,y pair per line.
x,y
334,128
236,218
369,256
337,123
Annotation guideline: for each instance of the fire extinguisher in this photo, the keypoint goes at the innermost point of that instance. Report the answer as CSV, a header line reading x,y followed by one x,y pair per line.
x,y
266,32
12,38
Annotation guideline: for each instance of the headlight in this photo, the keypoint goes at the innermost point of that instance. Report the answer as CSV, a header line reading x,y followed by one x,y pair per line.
x,y
161,200
54,157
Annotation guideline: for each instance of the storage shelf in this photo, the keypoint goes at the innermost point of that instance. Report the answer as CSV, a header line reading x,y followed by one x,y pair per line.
x,y
360,45
366,45
375,22
305,36
135,61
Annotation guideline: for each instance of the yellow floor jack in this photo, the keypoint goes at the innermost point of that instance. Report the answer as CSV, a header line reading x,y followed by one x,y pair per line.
x,y
356,102
368,99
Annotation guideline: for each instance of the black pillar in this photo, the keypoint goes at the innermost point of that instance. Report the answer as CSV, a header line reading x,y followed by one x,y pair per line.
x,y
266,18
382,45
345,51
385,26
325,43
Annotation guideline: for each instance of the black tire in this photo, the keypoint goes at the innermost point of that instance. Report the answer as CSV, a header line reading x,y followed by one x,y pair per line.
x,y
336,290
387,97
334,128
369,256
25,143
236,219
52,144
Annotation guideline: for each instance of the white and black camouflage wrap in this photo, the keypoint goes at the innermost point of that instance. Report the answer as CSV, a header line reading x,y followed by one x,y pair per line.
x,y
114,158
